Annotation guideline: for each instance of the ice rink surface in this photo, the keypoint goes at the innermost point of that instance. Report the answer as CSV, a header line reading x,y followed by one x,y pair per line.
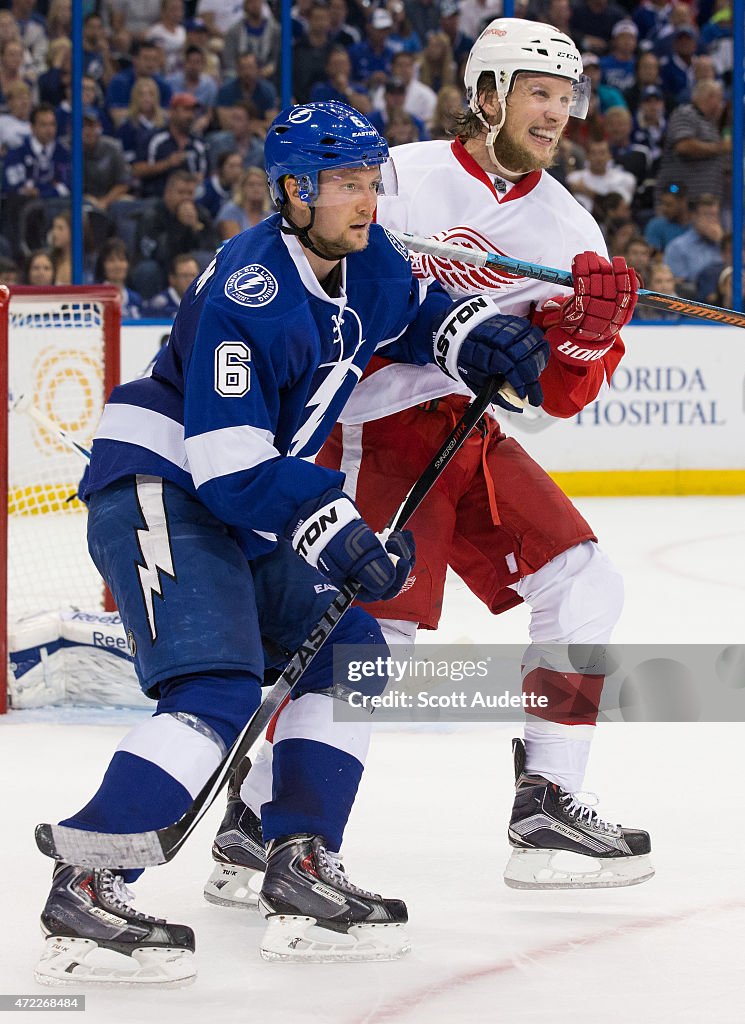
x,y
430,827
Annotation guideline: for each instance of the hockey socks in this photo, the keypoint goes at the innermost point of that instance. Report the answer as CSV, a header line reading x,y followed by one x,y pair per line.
x,y
155,773
317,767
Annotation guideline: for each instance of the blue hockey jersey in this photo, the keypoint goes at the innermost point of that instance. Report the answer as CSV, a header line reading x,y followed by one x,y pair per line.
x,y
47,168
259,364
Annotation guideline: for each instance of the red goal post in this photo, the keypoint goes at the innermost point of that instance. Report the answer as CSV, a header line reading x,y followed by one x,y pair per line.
x,y
59,347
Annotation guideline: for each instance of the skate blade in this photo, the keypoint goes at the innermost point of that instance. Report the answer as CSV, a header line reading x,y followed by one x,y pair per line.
x,y
68,961
550,869
231,885
302,940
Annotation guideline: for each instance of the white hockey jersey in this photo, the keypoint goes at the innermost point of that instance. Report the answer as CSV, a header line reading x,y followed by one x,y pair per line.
x,y
442,192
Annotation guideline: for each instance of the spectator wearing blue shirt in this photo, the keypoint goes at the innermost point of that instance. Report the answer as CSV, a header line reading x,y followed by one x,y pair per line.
x,y
338,85
248,87
460,43
676,75
394,100
647,73
650,123
40,166
54,84
146,58
310,53
371,59
216,190
175,147
342,33
619,67
257,33
592,22
249,205
243,136
145,116
671,219
404,37
96,57
92,97
652,17
194,78
607,95
691,253
716,36
184,268
422,15
707,282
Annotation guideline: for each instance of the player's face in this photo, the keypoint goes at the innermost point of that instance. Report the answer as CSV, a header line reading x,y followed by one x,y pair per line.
x,y
345,209
537,113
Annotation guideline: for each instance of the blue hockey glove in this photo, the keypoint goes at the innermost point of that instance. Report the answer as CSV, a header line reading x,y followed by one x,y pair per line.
x,y
476,342
329,533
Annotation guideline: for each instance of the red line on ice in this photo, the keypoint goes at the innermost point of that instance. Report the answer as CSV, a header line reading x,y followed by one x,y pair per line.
x,y
399,1006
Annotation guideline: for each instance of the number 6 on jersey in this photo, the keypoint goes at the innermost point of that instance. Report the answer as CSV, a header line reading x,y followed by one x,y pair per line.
x,y
232,372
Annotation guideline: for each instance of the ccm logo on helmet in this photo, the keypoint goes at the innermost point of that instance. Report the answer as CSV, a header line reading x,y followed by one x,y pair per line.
x,y
568,55
314,530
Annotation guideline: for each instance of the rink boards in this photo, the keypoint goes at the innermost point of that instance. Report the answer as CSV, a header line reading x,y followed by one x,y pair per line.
x,y
671,422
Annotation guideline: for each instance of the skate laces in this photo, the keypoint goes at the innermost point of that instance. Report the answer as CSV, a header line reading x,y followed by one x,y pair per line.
x,y
332,865
119,895
580,807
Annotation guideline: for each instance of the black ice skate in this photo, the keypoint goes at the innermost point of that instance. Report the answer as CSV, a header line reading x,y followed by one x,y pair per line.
x,y
95,935
238,853
316,914
551,829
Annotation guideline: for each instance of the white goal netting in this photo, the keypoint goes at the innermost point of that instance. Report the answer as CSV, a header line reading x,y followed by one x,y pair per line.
x,y
57,357
62,646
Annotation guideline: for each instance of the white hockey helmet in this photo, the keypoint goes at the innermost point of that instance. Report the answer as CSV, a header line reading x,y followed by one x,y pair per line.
x,y
508,46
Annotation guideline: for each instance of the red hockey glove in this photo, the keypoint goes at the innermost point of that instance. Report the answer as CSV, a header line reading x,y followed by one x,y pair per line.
x,y
585,325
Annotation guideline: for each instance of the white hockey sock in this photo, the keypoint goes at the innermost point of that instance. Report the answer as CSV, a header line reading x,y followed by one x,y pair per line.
x,y
178,744
257,786
576,598
558,752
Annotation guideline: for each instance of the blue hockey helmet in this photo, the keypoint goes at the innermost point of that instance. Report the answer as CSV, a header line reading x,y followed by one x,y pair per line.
x,y
304,140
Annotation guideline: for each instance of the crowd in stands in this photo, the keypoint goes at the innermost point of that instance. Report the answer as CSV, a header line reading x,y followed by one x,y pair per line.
x,y
178,95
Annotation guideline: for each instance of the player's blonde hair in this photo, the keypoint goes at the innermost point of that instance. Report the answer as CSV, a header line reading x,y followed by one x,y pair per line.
x,y
469,125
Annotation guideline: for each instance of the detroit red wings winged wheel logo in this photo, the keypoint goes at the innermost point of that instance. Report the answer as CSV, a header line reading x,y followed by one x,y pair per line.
x,y
460,276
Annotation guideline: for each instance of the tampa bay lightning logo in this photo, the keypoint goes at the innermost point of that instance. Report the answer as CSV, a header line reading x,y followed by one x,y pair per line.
x,y
397,245
253,285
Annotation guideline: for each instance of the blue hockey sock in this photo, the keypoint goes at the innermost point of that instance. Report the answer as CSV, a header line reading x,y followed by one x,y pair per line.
x,y
135,795
162,764
313,791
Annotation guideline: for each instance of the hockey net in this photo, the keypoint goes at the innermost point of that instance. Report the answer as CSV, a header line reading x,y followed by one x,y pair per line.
x,y
59,349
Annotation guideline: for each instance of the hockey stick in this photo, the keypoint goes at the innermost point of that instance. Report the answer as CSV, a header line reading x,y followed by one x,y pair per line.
x,y
479,258
25,404
146,849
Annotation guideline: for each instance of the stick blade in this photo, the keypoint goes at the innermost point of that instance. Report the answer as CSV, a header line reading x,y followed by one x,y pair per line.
x,y
100,849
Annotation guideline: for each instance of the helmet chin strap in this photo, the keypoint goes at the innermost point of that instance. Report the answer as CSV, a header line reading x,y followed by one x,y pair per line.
x,y
303,234
492,131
